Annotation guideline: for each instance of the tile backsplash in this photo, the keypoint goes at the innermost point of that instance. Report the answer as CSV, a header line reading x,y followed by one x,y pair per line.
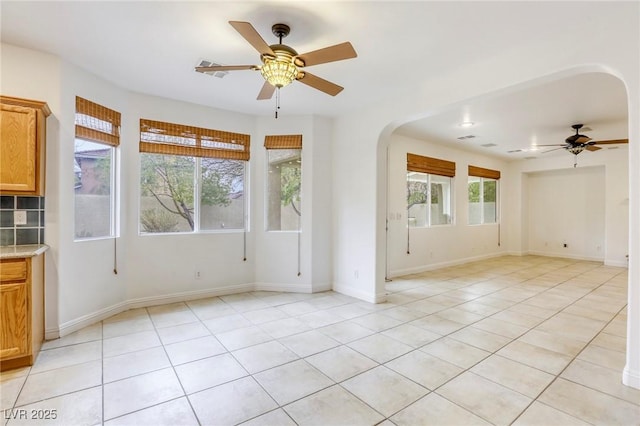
x,y
31,233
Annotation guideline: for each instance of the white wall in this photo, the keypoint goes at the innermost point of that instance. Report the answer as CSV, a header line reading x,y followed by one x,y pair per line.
x,y
439,245
81,286
566,207
587,207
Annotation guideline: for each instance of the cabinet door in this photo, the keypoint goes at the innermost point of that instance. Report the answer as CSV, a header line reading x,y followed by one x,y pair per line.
x,y
18,149
14,333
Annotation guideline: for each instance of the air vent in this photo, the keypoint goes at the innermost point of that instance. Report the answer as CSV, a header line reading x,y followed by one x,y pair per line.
x,y
488,145
205,63
530,158
466,137
514,151
613,147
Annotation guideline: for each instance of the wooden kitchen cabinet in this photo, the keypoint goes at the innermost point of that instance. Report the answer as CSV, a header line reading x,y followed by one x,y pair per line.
x,y
21,310
22,145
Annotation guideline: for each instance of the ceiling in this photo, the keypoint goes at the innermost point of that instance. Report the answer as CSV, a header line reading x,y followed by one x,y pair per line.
x,y
152,47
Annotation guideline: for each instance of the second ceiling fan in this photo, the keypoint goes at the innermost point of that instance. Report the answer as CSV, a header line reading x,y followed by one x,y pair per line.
x,y
281,64
577,143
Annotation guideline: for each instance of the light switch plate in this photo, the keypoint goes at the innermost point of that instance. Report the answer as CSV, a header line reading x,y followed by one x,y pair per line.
x,y
20,217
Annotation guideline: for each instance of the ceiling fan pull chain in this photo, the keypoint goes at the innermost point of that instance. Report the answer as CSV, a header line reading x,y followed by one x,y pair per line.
x,y
277,101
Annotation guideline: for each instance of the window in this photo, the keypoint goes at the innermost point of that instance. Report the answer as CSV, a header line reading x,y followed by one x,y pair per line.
x,y
191,179
429,191
483,195
428,199
284,176
97,133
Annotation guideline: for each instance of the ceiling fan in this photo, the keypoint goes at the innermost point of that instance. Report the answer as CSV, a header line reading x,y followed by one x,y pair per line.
x,y
577,143
281,64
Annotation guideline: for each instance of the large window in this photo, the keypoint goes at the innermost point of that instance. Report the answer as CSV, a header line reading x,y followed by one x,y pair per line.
x,y
97,137
191,179
284,177
483,195
429,191
428,199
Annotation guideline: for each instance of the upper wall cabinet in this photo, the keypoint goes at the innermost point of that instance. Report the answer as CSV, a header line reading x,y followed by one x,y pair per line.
x,y
22,146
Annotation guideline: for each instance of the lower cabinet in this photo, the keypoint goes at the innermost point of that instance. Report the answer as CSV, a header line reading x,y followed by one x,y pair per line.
x,y
21,310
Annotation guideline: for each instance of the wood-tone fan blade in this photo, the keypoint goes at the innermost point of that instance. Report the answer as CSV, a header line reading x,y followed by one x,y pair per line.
x,y
582,139
592,148
267,91
338,52
320,84
226,68
612,142
250,34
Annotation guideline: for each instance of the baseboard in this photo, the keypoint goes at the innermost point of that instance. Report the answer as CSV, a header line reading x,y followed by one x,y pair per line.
x,y
433,266
289,288
358,294
617,263
83,321
631,378
142,302
566,256
320,287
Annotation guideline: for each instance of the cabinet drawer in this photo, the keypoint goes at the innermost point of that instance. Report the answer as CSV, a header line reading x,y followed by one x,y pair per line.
x,y
13,270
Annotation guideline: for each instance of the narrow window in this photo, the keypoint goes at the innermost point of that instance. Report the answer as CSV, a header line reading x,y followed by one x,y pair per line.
x,y
97,136
429,191
483,195
284,179
191,179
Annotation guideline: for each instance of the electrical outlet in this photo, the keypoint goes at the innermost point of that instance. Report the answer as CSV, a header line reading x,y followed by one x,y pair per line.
x,y
20,217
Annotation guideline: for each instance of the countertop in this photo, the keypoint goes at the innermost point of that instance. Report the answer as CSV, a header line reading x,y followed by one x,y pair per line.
x,y
30,250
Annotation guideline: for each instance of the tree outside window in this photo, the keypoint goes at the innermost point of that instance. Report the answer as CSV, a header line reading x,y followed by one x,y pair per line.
x,y
190,194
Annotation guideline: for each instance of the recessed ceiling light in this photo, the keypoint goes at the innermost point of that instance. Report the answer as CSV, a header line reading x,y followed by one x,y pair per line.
x,y
467,124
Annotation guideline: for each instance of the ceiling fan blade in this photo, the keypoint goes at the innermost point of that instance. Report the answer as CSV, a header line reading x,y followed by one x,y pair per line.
x,y
338,52
226,68
267,91
320,84
555,149
582,139
592,148
250,34
611,142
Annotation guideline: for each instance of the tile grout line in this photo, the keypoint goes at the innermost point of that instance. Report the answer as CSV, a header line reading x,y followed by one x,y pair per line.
x,y
495,352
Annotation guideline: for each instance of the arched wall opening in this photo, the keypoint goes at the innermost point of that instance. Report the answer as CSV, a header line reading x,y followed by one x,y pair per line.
x,y
631,372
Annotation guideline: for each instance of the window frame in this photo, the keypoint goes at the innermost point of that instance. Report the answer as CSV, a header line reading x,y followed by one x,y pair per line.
x,y
267,192
197,203
451,199
481,180
100,125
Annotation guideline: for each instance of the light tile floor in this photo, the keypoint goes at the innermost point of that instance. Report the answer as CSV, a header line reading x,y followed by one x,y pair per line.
x,y
512,340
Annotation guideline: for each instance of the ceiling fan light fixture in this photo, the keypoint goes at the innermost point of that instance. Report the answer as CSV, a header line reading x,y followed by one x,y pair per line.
x,y
280,70
575,150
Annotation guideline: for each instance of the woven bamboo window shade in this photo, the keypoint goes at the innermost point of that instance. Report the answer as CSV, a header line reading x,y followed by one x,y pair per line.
x,y
484,173
433,166
97,123
157,137
283,142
